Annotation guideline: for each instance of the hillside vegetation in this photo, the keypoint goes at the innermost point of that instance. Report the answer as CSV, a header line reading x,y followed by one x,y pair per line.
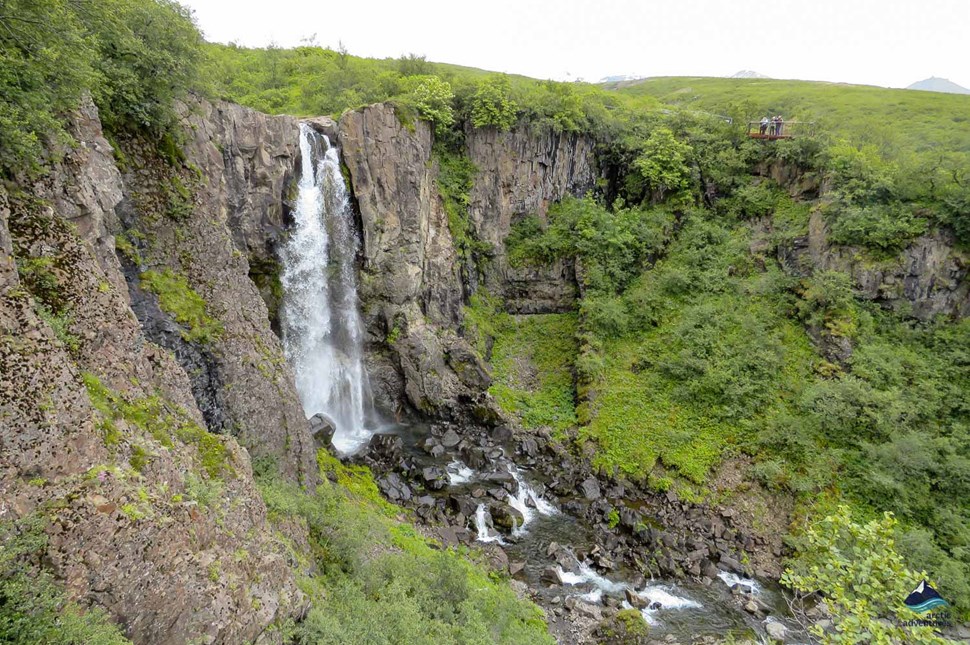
x,y
694,345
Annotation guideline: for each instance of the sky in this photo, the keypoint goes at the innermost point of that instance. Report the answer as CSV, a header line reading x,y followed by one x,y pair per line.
x,y
874,42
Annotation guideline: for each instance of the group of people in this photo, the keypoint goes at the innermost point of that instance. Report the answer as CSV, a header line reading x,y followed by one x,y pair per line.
x,y
773,127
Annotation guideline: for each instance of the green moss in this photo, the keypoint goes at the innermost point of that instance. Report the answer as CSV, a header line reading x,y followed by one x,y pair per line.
x,y
187,307
126,244
160,419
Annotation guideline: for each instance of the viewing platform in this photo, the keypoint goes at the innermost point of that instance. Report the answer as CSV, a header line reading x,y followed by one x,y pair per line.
x,y
789,130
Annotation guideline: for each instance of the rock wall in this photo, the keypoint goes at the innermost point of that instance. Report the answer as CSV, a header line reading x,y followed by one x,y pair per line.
x,y
235,160
521,173
411,278
929,276
149,515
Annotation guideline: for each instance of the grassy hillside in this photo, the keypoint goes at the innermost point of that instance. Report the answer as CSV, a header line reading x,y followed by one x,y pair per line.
x,y
900,119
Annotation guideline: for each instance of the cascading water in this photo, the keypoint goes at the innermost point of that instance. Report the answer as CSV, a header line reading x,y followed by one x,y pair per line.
x,y
322,330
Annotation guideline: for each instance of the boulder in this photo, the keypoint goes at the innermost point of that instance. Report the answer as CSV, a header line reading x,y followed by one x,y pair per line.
x,y
322,428
637,602
591,488
776,631
450,439
506,517
385,448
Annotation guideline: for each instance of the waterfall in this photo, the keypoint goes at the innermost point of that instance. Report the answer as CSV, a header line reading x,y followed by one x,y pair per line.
x,y
320,319
481,526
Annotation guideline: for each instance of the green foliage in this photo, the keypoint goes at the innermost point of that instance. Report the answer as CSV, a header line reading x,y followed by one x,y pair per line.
x,y
888,227
456,176
861,577
187,307
432,98
135,57
532,365
381,582
614,247
662,163
493,106
484,321
33,606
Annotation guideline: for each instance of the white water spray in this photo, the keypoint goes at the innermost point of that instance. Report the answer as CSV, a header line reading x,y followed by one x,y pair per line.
x,y
527,502
321,324
485,534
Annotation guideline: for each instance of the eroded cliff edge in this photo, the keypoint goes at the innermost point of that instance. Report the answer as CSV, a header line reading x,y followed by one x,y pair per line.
x,y
108,400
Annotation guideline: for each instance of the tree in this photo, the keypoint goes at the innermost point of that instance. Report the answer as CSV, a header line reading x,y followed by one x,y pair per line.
x,y
492,105
432,98
663,163
860,578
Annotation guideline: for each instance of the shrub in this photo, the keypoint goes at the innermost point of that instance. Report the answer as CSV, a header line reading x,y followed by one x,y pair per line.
x,y
33,607
861,578
492,105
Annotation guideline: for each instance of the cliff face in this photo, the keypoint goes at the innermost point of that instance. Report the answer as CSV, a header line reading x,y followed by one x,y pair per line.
x,y
100,426
411,278
929,276
521,173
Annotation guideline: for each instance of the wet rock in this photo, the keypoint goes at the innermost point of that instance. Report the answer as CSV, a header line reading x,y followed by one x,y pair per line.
x,y
322,428
709,569
394,488
576,605
474,457
776,631
751,607
502,434
430,445
655,606
385,448
505,517
434,478
729,564
552,576
636,601
463,504
516,567
529,447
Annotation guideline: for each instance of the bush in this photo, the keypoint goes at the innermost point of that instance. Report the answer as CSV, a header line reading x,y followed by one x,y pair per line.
x,y
33,607
885,227
861,577
431,97
493,106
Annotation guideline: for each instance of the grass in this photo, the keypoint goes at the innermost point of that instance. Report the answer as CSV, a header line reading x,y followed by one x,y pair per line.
x,y
187,307
532,366
379,580
903,119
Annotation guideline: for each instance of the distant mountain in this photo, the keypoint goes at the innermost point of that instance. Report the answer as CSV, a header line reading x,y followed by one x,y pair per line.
x,y
747,73
620,78
935,84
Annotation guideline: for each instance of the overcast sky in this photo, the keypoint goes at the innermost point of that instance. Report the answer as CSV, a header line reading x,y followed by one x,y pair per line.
x,y
876,42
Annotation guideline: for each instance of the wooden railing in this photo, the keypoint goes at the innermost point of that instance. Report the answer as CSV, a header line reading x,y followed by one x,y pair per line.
x,y
783,130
